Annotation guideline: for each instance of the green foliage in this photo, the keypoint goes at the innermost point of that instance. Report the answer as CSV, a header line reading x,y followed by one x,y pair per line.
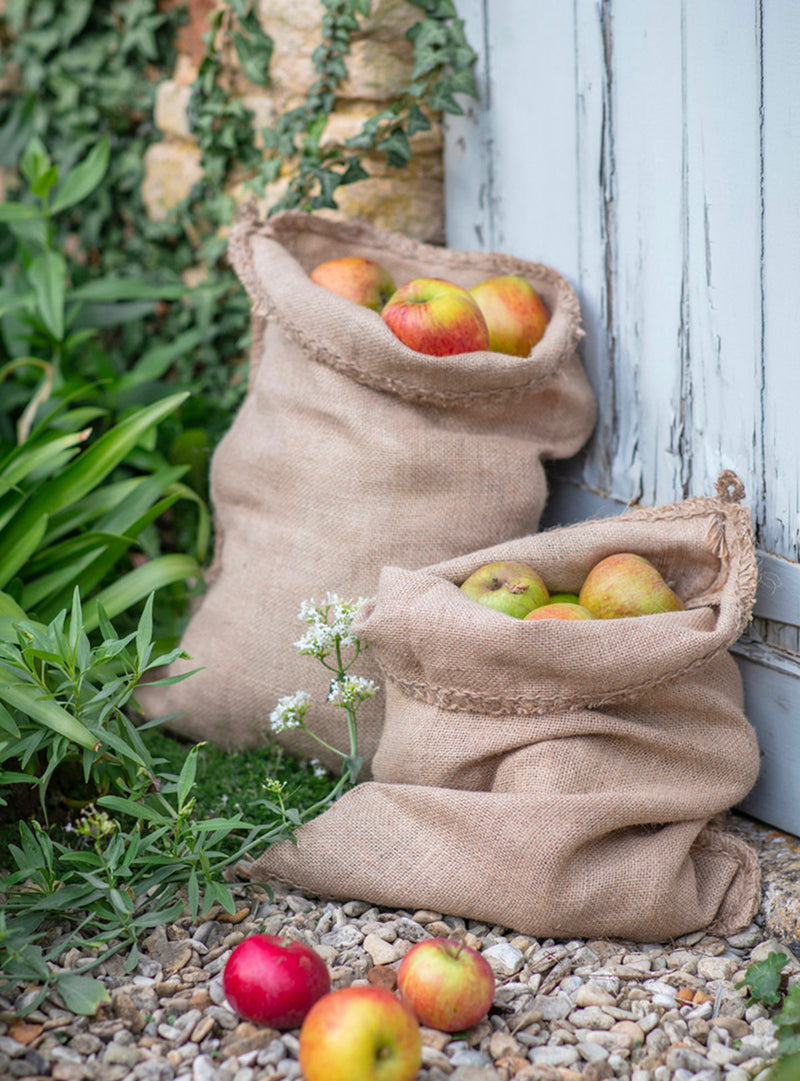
x,y
62,703
764,979
294,146
132,837
787,1024
87,74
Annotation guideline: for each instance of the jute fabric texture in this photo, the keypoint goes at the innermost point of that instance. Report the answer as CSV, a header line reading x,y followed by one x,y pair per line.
x,y
558,778
352,452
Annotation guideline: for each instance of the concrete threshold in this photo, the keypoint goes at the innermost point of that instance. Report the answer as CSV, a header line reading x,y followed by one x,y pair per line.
x,y
779,858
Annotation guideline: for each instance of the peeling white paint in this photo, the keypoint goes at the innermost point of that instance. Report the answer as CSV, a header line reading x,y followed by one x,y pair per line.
x,y
651,153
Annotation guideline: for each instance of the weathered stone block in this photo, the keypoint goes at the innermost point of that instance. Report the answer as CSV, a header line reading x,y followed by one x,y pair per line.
x,y
172,103
171,169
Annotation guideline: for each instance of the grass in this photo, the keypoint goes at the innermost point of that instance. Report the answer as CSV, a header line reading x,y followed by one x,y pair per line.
x,y
234,780
226,782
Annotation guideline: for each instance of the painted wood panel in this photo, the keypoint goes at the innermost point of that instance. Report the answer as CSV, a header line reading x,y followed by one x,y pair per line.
x,y
651,153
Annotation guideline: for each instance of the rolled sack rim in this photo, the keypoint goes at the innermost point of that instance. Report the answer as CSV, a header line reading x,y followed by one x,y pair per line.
x,y
357,342
618,659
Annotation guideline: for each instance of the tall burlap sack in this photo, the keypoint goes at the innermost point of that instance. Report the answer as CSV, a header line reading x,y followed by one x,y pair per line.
x,y
558,778
351,452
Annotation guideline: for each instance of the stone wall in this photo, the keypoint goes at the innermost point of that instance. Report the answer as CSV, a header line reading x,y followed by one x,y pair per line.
x,y
409,200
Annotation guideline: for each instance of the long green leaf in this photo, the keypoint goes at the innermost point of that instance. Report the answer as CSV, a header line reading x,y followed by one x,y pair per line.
x,y
18,212
41,457
82,475
130,807
48,276
137,584
11,561
10,608
83,178
88,571
29,700
156,362
111,289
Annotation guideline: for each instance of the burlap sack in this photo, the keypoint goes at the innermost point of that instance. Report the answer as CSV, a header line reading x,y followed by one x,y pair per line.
x,y
561,779
352,452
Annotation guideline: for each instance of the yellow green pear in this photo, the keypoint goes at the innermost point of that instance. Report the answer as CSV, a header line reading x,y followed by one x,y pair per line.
x,y
626,584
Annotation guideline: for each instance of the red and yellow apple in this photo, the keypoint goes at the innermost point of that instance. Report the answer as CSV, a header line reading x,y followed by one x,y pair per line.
x,y
507,586
437,317
626,584
356,278
559,610
514,313
274,981
448,985
360,1033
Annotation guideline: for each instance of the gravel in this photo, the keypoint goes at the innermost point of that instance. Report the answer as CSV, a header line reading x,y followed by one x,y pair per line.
x,y
575,1010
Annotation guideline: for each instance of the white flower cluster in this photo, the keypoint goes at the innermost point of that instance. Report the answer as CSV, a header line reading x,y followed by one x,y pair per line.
x,y
328,623
290,711
351,691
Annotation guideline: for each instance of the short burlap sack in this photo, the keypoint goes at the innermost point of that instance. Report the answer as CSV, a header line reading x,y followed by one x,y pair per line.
x,y
351,452
559,778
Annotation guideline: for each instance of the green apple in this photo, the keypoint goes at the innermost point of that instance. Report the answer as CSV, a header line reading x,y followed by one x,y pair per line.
x,y
626,584
563,598
355,278
514,313
360,1033
560,610
437,317
506,586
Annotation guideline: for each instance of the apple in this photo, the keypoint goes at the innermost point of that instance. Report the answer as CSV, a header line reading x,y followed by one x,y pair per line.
x,y
274,981
356,278
448,985
506,586
514,313
626,584
360,1033
559,610
437,317
563,598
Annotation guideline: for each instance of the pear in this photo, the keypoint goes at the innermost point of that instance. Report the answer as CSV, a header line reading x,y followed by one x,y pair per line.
x,y
559,610
626,584
506,586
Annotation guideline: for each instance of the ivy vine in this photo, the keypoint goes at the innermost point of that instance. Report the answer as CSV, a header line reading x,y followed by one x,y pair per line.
x,y
294,146
72,74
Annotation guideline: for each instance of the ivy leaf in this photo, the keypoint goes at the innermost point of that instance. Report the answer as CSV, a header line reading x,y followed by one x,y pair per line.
x,y
442,101
396,148
329,181
354,172
417,120
254,48
764,978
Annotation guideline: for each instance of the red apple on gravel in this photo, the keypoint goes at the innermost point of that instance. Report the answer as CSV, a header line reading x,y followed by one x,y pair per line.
x,y
448,985
274,981
437,317
356,278
507,586
626,584
360,1033
514,313
560,610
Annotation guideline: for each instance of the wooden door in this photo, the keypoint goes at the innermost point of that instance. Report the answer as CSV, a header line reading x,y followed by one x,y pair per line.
x,y
651,153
